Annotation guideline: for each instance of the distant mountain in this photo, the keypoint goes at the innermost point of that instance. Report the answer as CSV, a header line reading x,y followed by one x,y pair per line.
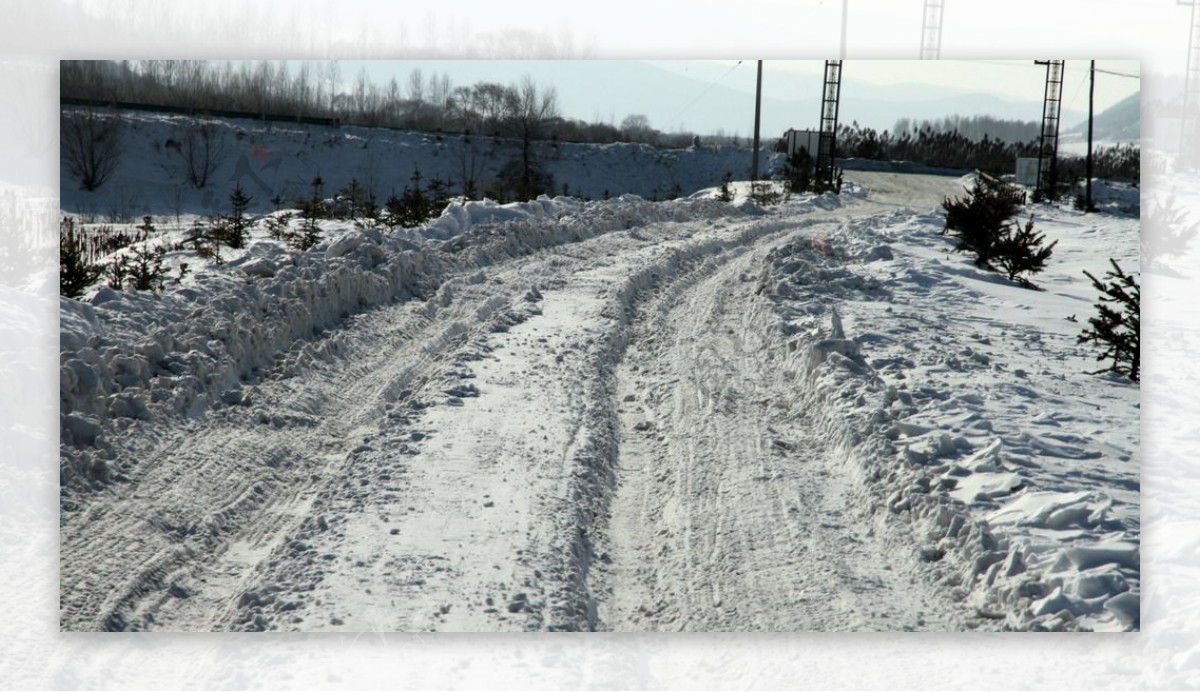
x,y
708,98
1121,123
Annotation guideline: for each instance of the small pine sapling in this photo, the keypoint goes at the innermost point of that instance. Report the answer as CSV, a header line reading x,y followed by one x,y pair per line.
x,y
764,193
1117,332
145,268
1018,250
798,172
978,220
307,236
350,198
277,225
75,272
394,209
238,223
309,233
724,191
116,271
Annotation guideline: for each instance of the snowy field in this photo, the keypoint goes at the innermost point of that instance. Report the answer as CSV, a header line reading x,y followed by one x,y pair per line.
x,y
613,415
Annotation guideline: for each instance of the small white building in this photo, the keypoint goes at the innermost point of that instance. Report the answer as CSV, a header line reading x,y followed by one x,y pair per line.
x,y
802,139
1027,171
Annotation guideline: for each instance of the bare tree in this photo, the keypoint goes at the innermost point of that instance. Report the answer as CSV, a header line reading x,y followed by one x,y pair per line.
x,y
636,128
439,94
304,86
530,111
333,74
90,145
202,146
488,99
471,159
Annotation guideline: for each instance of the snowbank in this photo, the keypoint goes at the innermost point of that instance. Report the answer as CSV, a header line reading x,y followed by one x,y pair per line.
x,y
129,357
970,415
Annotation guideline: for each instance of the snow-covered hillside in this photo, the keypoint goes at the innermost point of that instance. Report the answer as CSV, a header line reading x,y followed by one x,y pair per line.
x,y
614,414
270,159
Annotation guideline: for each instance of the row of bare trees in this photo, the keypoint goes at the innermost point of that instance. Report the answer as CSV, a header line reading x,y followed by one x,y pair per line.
x,y
425,101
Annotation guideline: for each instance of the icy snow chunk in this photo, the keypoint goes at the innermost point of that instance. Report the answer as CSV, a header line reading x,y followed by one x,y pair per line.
x,y
1121,553
83,431
820,351
1127,607
1056,602
1052,510
980,487
105,294
259,266
346,244
83,376
986,459
128,405
1095,583
879,252
1051,448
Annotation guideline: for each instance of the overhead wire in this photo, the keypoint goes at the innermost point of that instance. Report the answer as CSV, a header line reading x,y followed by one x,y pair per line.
x,y
1119,74
707,89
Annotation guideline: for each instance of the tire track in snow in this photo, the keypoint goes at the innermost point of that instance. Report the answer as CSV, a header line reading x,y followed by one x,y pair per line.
x,y
732,511
227,518
210,502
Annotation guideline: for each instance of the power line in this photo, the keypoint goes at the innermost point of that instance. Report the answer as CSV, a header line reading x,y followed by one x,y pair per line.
x,y
999,63
707,89
1119,74
1077,88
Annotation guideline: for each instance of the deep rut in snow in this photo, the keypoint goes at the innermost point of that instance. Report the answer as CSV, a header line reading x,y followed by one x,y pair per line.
x,y
734,510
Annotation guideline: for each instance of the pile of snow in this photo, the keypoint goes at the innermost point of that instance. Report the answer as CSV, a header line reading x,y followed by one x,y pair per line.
x,y
128,357
1112,197
970,412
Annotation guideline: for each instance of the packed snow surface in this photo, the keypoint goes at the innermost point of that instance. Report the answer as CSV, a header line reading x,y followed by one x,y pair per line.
x,y
617,414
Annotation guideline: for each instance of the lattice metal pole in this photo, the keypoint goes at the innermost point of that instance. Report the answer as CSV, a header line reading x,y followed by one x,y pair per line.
x,y
1191,86
845,22
1051,110
827,141
931,30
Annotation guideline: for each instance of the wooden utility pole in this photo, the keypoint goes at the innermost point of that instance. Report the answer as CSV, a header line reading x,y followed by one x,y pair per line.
x,y
1091,110
757,118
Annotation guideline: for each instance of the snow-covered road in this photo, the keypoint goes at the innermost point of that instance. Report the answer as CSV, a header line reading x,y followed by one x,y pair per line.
x,y
614,433
732,510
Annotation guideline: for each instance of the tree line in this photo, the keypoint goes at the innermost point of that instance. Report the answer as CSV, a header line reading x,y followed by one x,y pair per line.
x,y
428,102
973,127
933,146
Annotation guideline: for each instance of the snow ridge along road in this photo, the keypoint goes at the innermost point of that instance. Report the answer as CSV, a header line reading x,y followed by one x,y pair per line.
x,y
596,418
